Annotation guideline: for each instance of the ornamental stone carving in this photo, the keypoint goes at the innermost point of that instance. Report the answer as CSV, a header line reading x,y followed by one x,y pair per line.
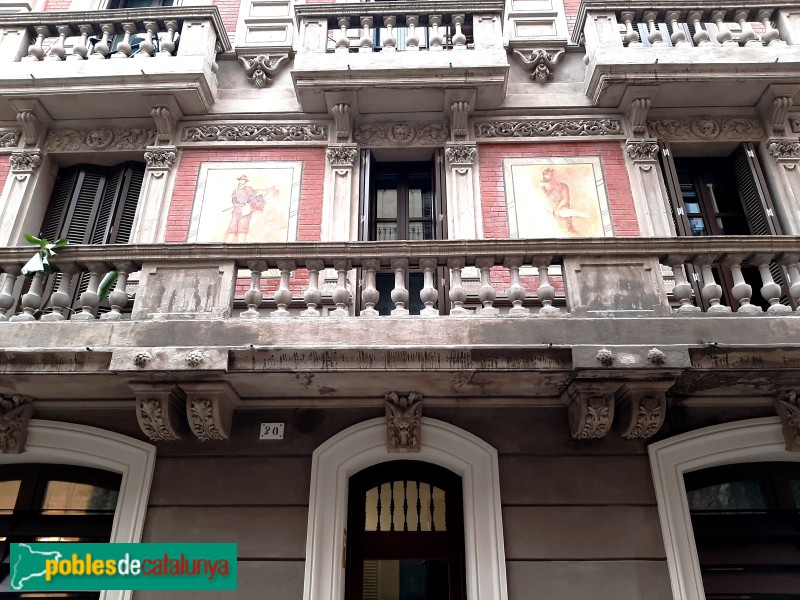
x,y
342,156
794,124
642,149
79,140
548,128
260,69
25,160
209,409
158,408
141,358
461,154
402,134
9,138
15,415
656,356
788,407
540,62
642,409
605,357
784,148
195,358
706,128
590,408
160,157
256,133
403,422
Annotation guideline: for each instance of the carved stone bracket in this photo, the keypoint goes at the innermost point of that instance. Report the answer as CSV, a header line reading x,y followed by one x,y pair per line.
x,y
252,132
637,115
160,157
15,415
158,409
209,409
459,113
403,422
642,150
342,121
784,148
260,69
342,156
590,405
541,62
706,129
641,408
461,154
788,407
774,106
33,118
25,161
536,128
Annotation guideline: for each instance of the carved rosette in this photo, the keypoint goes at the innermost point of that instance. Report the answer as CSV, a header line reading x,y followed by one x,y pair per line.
x,y
342,156
461,154
260,69
160,157
591,409
784,148
540,62
403,422
641,150
401,134
79,140
255,133
788,407
706,129
25,161
209,409
15,415
536,128
158,409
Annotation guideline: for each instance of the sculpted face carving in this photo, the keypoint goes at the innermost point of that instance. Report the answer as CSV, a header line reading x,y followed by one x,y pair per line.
x,y
403,422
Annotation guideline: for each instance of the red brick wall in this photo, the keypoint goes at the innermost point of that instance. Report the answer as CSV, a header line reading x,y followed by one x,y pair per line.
x,y
310,215
55,5
571,12
493,193
5,167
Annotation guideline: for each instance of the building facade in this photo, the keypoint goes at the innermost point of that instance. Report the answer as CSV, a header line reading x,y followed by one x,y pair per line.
x,y
478,300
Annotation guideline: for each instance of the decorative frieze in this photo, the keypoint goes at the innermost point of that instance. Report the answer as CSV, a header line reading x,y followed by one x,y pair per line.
x,y
256,133
25,160
403,422
784,148
160,157
342,156
9,138
209,409
590,406
80,140
642,149
706,129
788,407
461,154
15,415
158,408
535,128
401,134
260,69
541,62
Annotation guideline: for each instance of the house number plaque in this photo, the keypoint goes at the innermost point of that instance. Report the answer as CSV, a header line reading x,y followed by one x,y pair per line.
x,y
271,431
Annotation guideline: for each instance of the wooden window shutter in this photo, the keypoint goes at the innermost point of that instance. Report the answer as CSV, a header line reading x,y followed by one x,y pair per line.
x,y
756,200
673,187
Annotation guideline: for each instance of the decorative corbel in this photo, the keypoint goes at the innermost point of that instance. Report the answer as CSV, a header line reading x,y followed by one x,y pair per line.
x,y
342,121
774,105
33,118
590,405
458,105
209,409
260,69
15,415
641,408
158,409
403,422
166,113
541,62
635,103
788,406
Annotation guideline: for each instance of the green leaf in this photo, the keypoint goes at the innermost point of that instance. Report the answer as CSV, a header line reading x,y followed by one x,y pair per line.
x,y
60,243
105,286
33,240
34,265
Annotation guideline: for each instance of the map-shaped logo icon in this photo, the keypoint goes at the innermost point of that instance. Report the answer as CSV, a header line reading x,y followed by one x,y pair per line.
x,y
29,564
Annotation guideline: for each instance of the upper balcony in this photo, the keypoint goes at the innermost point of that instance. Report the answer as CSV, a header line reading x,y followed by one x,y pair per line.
x,y
103,64
405,54
692,53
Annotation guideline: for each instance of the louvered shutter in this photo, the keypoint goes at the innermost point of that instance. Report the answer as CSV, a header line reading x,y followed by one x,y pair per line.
x,y
126,206
673,187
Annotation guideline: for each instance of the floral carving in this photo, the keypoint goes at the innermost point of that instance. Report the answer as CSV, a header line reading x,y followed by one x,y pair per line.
x,y
402,134
342,156
195,358
540,62
160,157
202,420
656,356
548,128
154,419
15,414
647,416
255,133
591,412
788,407
642,150
461,154
605,357
403,422
74,140
706,128
783,148
25,160
9,138
259,69
141,358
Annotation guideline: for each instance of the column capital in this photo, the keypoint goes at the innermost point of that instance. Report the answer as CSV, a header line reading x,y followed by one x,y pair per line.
x,y
461,154
784,148
342,155
25,161
160,157
642,150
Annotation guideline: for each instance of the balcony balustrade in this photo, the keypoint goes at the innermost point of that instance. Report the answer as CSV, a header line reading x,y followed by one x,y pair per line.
x,y
704,44
44,56
599,278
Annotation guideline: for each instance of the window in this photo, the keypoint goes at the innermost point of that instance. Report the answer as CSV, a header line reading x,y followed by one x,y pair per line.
x,y
405,533
138,3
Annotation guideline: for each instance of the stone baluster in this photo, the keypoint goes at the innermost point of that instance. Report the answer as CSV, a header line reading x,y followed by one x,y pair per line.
x,y
412,40
458,295
147,46
118,298
459,39
400,293
711,290
748,37
792,264
57,50
770,291
343,43
700,37
678,36
103,47
741,290
545,292
631,36
771,36
60,299
366,42
341,295
36,50
81,49
90,299
436,40
370,294
653,33
124,47
516,293
312,296
168,42
7,293
283,296
428,294
724,35
682,291
254,296
487,293
32,301
390,43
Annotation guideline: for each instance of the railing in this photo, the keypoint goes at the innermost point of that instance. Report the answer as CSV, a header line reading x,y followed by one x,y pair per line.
x,y
600,277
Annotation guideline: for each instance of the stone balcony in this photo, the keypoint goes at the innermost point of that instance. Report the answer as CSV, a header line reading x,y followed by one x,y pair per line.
x,y
408,55
107,63
687,53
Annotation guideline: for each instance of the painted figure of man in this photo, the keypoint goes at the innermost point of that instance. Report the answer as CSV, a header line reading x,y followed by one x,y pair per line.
x,y
557,194
242,198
